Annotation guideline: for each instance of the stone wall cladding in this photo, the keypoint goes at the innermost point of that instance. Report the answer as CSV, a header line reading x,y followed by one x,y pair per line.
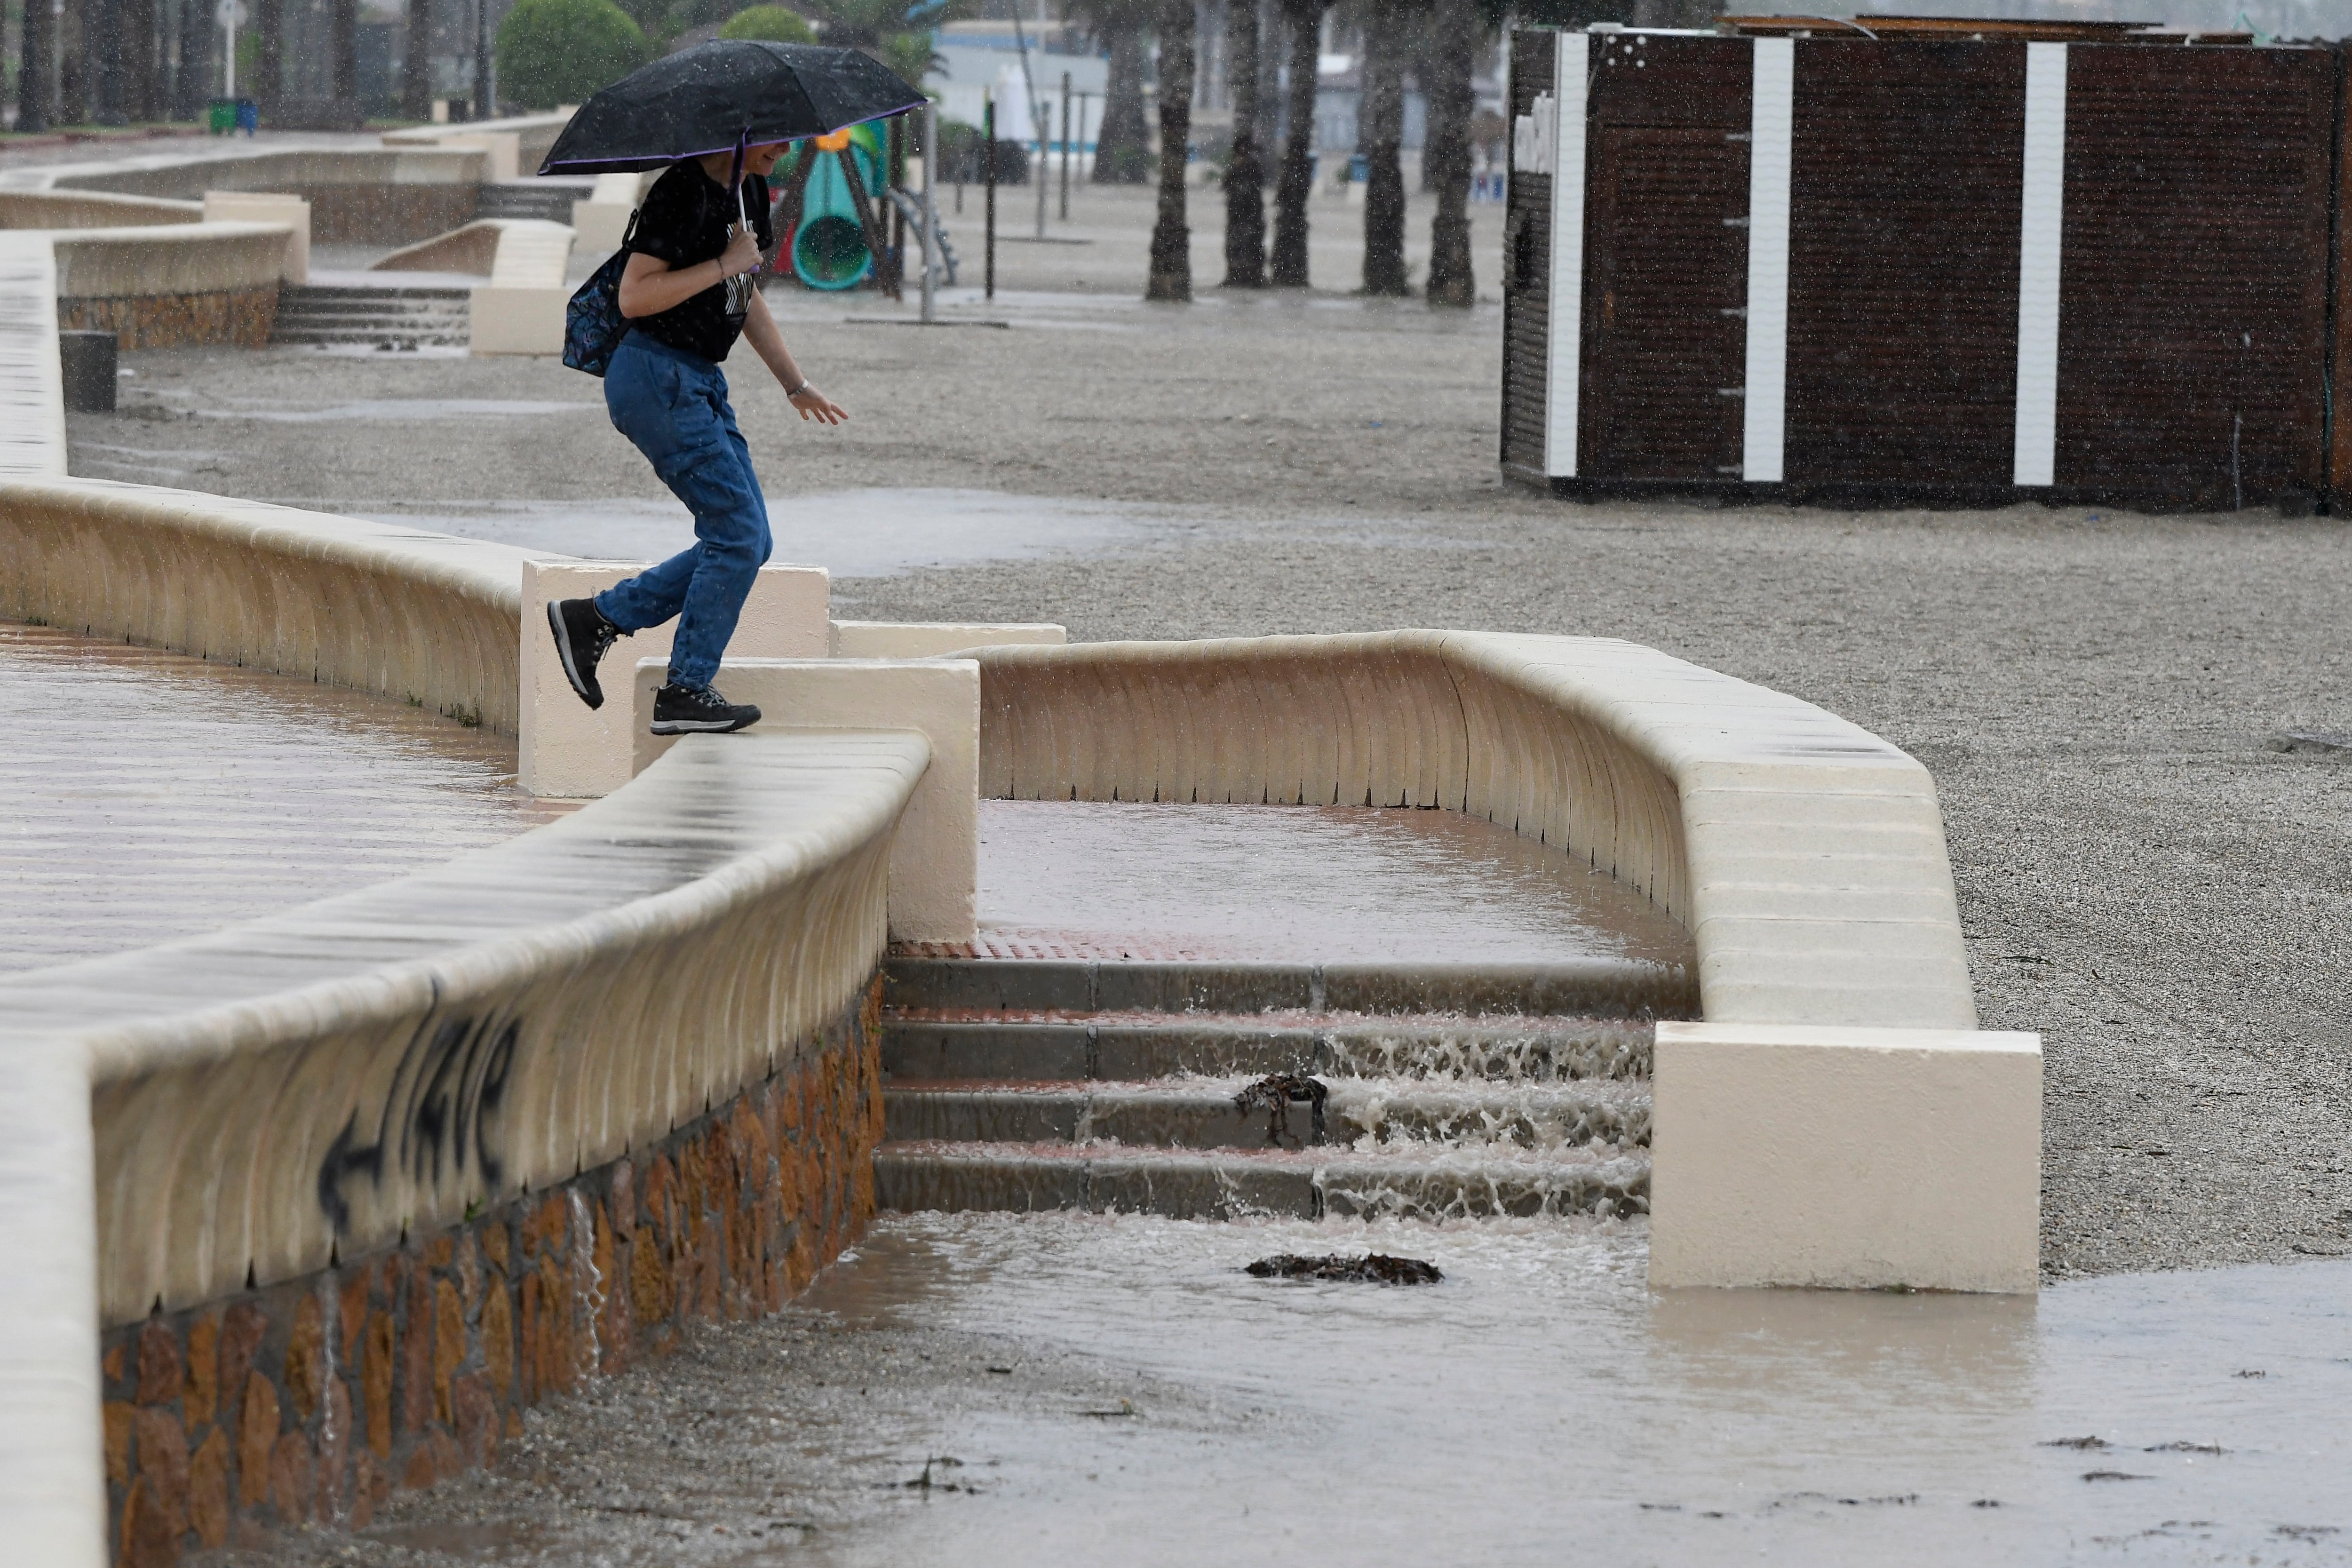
x,y
242,317
311,1402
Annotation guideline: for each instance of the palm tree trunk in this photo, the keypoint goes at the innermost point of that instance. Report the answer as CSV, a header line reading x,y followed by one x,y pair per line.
x,y
1244,172
1172,239
33,75
73,65
1123,143
1381,137
269,71
138,47
417,63
346,77
1452,55
1304,18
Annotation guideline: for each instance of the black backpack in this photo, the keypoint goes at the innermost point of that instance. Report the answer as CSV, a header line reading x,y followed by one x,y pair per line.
x,y
593,325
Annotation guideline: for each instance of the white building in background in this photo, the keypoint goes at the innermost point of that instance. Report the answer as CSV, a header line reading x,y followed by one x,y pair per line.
x,y
972,65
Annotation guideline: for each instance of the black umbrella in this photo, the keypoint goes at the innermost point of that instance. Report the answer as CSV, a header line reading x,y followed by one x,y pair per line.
x,y
719,96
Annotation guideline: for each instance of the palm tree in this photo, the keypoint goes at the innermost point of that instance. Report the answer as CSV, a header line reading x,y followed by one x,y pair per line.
x,y
1123,139
1388,40
417,63
1244,171
1304,18
1455,32
1172,239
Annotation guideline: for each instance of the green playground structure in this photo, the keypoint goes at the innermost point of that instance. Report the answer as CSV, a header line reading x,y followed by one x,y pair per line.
x,y
827,206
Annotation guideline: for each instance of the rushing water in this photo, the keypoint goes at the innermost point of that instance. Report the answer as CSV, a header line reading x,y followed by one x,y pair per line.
x,y
1543,1405
1298,884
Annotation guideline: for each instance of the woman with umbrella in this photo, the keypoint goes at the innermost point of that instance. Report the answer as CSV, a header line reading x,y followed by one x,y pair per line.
x,y
686,293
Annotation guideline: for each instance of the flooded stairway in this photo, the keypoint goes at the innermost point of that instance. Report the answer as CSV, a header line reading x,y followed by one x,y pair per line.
x,y
1215,1089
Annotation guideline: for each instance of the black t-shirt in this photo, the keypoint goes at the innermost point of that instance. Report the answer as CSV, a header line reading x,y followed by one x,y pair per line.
x,y
684,222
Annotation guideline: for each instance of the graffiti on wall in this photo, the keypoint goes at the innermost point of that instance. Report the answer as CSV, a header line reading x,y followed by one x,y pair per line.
x,y
439,1122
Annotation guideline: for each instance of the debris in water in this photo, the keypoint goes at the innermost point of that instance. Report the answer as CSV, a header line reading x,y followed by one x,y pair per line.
x,y
1277,1093
2185,1447
2312,741
2113,1476
1378,1267
2096,1444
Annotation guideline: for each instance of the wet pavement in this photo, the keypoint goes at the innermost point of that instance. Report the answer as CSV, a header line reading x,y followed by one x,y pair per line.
x,y
984,1389
878,532
146,795
1293,884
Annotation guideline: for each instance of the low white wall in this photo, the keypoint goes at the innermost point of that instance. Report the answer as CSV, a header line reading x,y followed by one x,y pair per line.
x,y
528,137
266,206
248,1104
1852,1158
571,750
180,258
186,178
376,607
1805,855
931,639
32,390
92,209
935,864
1836,1121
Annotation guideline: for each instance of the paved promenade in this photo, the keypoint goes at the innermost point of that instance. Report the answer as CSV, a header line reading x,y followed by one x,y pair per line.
x,y
149,796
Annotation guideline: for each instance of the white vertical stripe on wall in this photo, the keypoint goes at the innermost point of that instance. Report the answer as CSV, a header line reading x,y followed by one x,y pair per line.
x,y
1770,113
1564,365
2037,264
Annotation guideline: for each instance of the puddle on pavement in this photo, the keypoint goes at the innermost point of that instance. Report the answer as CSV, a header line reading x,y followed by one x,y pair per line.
x,y
149,796
1297,884
851,533
1543,1405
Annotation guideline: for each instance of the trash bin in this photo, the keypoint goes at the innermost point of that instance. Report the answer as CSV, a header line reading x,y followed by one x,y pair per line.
x,y
88,361
248,116
230,115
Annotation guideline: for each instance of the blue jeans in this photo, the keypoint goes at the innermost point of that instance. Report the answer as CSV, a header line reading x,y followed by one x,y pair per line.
x,y
672,405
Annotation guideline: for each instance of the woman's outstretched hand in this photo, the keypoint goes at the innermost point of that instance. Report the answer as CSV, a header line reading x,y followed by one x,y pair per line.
x,y
814,404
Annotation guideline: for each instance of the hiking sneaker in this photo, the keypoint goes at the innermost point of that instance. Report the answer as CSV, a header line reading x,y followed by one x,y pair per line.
x,y
698,710
582,637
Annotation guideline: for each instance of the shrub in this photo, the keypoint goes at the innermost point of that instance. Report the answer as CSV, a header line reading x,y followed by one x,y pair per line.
x,y
772,23
562,51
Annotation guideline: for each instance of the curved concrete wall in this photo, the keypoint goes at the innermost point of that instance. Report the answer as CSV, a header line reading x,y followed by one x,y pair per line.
x,y
360,196
90,209
1805,855
272,1099
185,258
375,606
327,1079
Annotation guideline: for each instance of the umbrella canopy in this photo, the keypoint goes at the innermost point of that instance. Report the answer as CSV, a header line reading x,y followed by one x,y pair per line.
x,y
719,96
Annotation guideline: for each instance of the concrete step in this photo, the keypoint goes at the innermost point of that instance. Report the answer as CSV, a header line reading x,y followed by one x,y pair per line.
x,y
1597,987
459,336
400,316
1425,1182
338,311
965,1044
1364,1114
